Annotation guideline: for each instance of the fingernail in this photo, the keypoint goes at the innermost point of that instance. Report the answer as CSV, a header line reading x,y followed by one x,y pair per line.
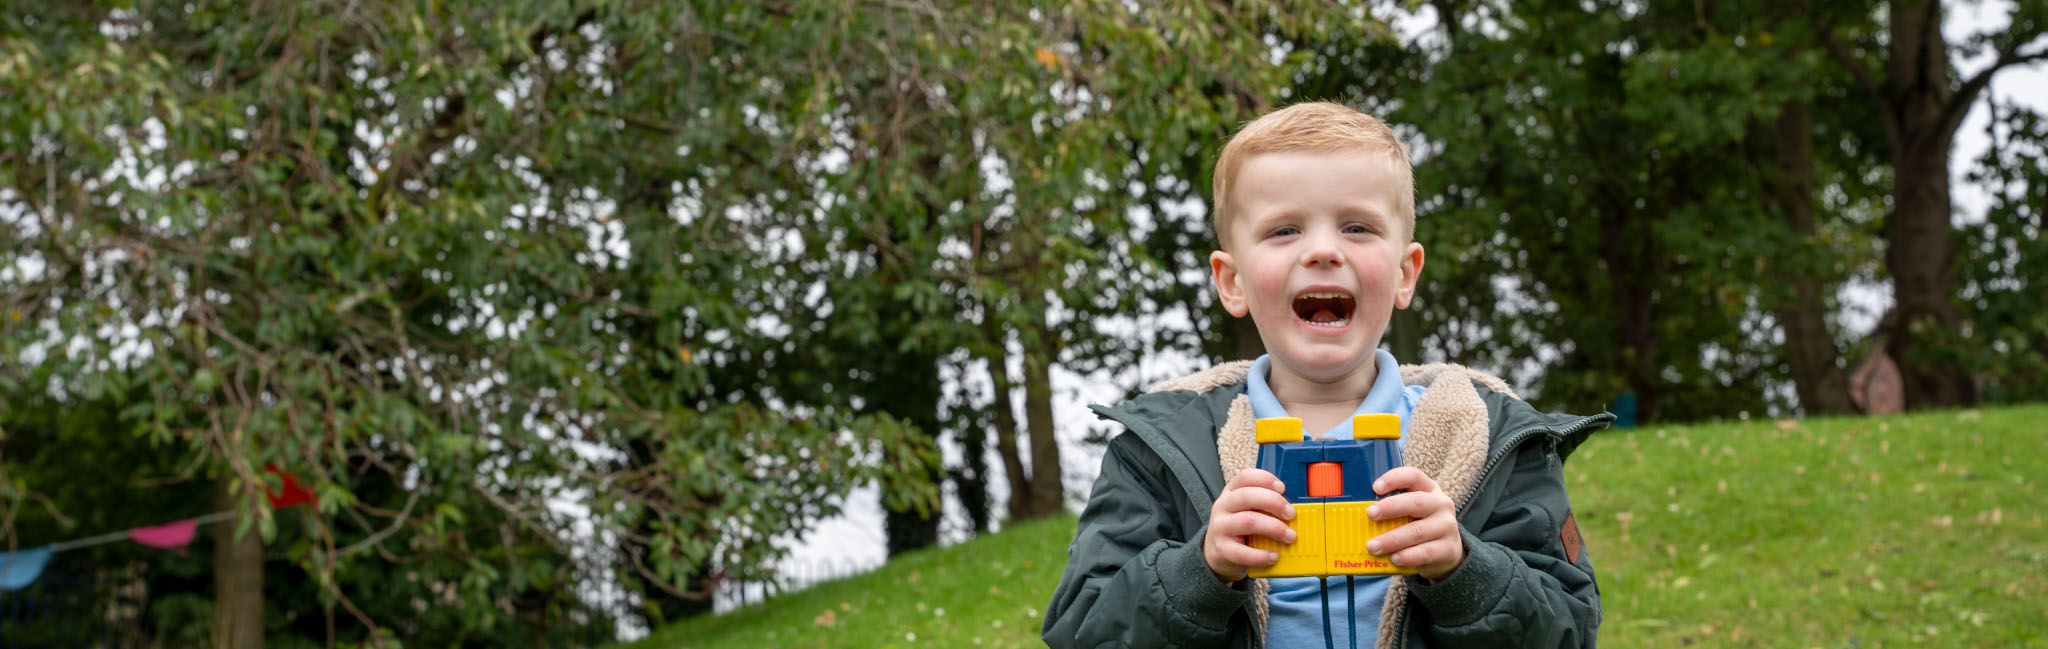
x,y
1291,535
1290,512
1372,512
1396,559
1280,487
1372,547
1272,558
1379,487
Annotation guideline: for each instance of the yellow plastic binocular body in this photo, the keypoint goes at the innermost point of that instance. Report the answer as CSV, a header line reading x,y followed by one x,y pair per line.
x,y
1330,485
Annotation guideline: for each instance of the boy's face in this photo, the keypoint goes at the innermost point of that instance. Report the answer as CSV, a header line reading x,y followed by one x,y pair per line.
x,y
1317,255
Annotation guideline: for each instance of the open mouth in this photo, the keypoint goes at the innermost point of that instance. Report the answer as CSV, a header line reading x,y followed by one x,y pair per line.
x,y
1329,309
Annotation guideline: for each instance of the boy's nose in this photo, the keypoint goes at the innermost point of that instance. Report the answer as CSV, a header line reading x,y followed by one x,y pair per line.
x,y
1322,254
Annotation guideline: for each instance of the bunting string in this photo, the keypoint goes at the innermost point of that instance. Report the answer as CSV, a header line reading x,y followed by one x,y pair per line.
x,y
21,568
123,535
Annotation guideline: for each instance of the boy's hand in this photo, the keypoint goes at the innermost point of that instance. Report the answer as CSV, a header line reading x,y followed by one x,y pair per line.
x,y
1430,542
1251,504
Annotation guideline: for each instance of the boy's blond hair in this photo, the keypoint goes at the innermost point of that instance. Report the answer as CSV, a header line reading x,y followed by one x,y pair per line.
x,y
1320,127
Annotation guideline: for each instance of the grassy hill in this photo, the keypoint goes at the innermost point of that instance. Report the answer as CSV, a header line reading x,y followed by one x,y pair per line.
x,y
1855,532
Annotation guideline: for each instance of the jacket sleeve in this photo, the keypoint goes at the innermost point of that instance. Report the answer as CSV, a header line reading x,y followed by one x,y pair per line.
x,y
1133,577
1516,587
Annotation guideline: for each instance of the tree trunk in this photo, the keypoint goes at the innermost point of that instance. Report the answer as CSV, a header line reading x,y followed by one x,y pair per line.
x,y
1020,506
1404,335
971,481
1047,491
909,529
907,387
1245,333
237,577
1921,257
1810,349
1625,247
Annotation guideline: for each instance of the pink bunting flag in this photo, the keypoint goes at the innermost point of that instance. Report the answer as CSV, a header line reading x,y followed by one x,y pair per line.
x,y
168,536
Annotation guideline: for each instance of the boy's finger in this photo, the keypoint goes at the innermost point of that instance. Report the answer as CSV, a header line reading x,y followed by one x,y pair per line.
x,y
1256,524
1422,554
1245,555
1414,504
1418,532
1255,478
1405,477
1254,499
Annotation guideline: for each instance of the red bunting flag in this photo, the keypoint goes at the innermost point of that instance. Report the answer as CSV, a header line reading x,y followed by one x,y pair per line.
x,y
169,536
293,493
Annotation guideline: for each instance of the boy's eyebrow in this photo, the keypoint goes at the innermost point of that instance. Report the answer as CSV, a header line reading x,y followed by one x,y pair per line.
x,y
1278,213
1362,208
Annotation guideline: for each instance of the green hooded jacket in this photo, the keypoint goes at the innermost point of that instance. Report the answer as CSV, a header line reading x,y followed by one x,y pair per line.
x,y
1135,575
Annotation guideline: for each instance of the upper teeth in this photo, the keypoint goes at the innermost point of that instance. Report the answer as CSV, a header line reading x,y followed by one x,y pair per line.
x,y
1329,296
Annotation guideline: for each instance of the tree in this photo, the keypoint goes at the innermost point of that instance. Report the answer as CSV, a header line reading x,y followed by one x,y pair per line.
x,y
382,245
1922,103
980,210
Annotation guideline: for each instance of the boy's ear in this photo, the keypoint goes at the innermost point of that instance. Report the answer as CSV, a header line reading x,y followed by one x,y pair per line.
x,y
1411,274
1223,270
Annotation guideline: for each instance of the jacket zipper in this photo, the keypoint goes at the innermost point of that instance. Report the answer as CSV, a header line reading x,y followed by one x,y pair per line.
x,y
1492,462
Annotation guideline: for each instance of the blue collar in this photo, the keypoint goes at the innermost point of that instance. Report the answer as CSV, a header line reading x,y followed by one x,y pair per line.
x,y
1388,394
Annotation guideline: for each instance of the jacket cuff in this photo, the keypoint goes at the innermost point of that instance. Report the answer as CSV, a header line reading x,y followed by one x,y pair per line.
x,y
1193,591
1472,589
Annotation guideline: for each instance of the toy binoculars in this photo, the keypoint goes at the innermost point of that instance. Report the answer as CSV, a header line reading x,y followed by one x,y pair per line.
x,y
1330,524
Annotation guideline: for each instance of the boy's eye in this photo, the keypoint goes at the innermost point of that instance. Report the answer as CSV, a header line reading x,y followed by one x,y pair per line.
x,y
1357,229
1285,230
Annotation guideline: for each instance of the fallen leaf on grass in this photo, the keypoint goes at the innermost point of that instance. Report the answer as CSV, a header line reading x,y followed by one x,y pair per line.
x,y
826,619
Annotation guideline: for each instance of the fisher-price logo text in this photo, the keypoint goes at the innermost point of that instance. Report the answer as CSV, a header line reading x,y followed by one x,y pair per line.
x,y
1362,564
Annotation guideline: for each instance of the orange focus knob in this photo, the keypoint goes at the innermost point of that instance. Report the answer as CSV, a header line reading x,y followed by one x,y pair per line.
x,y
1325,480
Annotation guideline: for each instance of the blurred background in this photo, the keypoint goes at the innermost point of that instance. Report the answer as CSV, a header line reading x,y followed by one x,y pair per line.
x,y
561,323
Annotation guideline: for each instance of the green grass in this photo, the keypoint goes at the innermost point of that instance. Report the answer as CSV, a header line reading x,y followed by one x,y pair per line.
x,y
989,592
1849,532
1921,530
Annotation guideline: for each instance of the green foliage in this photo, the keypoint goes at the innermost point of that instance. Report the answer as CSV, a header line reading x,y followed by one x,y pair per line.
x,y
455,262
2004,261
381,246
1594,185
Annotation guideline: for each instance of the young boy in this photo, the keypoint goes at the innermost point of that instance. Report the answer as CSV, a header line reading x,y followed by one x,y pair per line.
x,y
1315,215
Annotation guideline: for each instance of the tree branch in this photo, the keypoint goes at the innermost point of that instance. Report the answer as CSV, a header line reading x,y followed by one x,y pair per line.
x,y
448,125
1848,60
1959,104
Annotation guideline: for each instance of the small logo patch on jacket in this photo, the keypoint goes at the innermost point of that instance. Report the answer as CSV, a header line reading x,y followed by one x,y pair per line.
x,y
1569,532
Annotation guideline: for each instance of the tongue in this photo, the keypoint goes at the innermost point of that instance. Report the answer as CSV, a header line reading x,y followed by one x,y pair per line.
x,y
1324,315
